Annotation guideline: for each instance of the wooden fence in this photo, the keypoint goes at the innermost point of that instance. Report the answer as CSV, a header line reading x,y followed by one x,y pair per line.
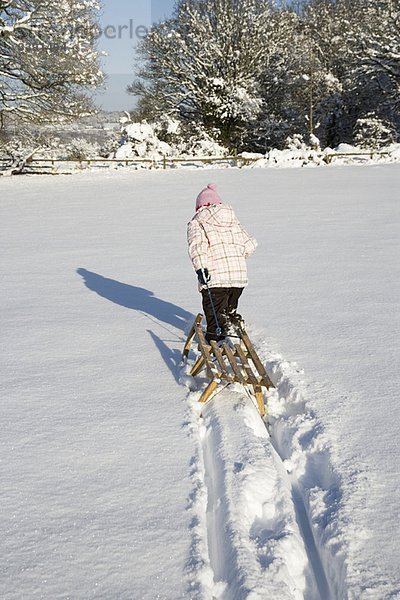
x,y
370,154
66,166
56,166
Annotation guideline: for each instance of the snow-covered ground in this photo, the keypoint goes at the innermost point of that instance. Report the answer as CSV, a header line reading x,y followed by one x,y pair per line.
x,y
112,485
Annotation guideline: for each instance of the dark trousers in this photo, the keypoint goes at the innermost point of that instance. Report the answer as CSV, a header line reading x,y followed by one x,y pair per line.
x,y
225,301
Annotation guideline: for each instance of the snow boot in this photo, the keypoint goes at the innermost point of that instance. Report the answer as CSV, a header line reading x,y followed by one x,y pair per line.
x,y
233,322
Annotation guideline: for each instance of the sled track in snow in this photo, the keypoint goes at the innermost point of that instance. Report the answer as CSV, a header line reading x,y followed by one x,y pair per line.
x,y
264,507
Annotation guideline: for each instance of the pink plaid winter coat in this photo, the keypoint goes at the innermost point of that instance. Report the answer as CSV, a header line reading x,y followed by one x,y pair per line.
x,y
218,242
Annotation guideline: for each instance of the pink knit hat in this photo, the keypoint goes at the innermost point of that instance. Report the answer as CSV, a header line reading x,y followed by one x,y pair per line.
x,y
208,196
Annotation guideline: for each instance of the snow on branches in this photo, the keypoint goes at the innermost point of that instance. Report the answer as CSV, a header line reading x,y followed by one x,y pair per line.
x,y
359,43
259,71
205,63
47,58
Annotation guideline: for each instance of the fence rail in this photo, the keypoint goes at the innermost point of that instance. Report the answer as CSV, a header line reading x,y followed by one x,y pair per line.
x,y
370,154
50,165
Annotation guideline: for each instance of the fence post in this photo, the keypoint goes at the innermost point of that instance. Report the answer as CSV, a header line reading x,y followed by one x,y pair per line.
x,y
164,162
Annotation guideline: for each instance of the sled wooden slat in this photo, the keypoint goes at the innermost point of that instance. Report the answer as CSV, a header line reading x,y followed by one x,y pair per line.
x,y
256,360
260,400
251,378
218,355
255,382
205,350
210,389
191,335
228,364
235,367
197,367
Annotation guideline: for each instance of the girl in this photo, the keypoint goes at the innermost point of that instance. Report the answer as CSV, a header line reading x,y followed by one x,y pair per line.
x,y
218,248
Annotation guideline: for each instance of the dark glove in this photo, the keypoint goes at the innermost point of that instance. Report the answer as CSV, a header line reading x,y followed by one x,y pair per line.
x,y
203,276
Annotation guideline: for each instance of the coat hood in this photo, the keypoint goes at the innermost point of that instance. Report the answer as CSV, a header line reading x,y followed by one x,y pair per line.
x,y
219,215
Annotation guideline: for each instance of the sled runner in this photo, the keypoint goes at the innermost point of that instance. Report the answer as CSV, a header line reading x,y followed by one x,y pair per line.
x,y
236,363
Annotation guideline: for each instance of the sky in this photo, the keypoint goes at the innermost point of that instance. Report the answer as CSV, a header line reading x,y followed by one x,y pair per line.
x,y
123,23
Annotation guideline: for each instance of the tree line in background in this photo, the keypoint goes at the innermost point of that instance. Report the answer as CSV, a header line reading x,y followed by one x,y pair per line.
x,y
245,74
252,73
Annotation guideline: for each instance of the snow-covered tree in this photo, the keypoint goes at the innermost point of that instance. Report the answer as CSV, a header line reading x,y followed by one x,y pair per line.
x,y
205,64
377,51
359,43
259,72
294,83
165,137
48,58
373,132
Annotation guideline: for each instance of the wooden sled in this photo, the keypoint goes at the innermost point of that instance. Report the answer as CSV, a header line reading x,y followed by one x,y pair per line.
x,y
237,364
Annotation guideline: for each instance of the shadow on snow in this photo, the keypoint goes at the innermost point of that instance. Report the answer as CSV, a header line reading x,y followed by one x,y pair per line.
x,y
144,301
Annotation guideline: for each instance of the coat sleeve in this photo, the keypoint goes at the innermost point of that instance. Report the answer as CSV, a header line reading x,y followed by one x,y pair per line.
x,y
197,245
250,243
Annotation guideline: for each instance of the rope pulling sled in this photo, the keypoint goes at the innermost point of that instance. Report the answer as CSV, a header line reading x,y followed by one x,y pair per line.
x,y
236,363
